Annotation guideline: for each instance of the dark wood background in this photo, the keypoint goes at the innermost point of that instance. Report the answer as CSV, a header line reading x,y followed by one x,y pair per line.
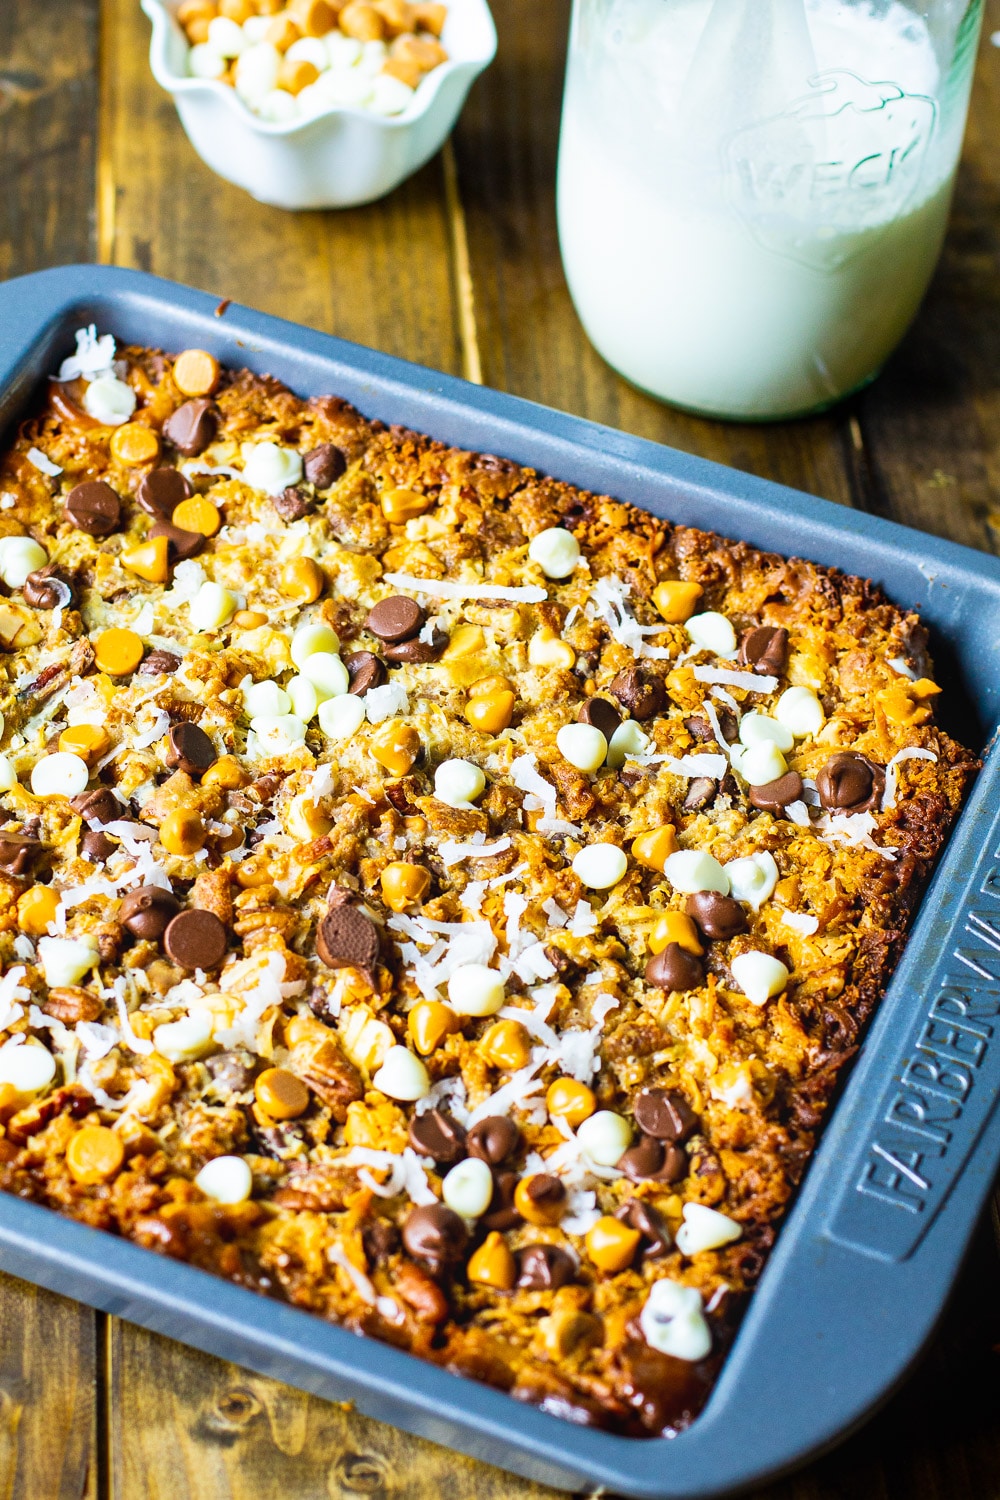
x,y
459,269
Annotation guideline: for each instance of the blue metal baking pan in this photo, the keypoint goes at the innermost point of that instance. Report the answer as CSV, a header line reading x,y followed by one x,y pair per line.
x,y
872,1246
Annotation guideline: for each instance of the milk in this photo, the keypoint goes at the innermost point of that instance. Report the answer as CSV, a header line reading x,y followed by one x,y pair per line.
x,y
753,193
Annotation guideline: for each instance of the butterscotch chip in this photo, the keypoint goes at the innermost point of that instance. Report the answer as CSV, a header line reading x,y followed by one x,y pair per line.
x,y
196,372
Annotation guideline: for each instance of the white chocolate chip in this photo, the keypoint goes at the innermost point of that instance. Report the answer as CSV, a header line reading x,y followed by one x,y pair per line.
x,y
66,960
600,866
760,976
759,729
628,739
475,990
800,711
556,551
226,1179
605,1137
205,62
212,607
257,70
308,640
184,1040
309,49
673,1321
19,556
344,51
271,468
109,401
278,732
458,783
340,718
712,632
583,746
402,1076
468,1188
692,870
27,1068
327,673
305,698
265,698
705,1229
752,879
390,96
277,107
760,764
8,776
61,774
226,37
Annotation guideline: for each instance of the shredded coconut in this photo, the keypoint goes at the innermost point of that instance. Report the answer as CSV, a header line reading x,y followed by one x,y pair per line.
x,y
853,829
516,1091
95,1039
584,921
608,598
43,463
358,1279
384,702
94,356
892,775
438,588
453,853
749,681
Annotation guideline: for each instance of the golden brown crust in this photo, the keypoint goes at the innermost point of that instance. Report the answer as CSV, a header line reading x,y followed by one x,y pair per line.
x,y
304,828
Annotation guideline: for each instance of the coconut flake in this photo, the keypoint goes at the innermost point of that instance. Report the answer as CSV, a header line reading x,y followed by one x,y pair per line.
x,y
584,921
362,1285
749,681
892,775
800,921
156,731
94,356
797,812
513,1094
95,1039
43,463
12,992
901,665
853,829
453,853
385,702
524,774
138,1044
438,588
603,1006
608,599
691,766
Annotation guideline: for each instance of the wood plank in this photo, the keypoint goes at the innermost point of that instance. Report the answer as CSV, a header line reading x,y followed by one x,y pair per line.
x,y
47,132
931,424
187,1427
379,275
48,1448
530,339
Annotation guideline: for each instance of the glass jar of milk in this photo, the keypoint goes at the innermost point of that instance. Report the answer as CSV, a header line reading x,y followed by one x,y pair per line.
x,y
753,193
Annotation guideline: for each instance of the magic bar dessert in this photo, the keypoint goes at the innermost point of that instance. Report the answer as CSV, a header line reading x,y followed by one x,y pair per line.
x,y
433,895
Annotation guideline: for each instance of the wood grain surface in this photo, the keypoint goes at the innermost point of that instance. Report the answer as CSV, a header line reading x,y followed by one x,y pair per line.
x,y
458,269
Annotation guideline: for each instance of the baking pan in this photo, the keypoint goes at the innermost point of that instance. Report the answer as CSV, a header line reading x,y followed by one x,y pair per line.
x,y
869,1252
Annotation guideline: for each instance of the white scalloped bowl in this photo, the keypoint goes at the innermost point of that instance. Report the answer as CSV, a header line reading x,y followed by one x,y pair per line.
x,y
336,159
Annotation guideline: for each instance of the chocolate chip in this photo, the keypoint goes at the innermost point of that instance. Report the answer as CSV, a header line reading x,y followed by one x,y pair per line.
x,y
192,426
436,1134
501,1213
196,940
850,782
544,1268
100,806
47,589
418,651
774,796
701,793
160,491
643,1216
148,912
718,916
675,969
493,1139
157,662
234,1072
346,938
380,1239
664,1114
602,714
180,544
190,749
765,650
643,694
435,1235
395,619
545,1190
19,852
94,508
292,504
97,847
324,465
652,1161
365,671
698,726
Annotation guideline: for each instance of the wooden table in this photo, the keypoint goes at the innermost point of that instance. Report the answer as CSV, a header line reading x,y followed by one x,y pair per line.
x,y
458,269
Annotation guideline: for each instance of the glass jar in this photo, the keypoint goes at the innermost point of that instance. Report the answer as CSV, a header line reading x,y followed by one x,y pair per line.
x,y
753,193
